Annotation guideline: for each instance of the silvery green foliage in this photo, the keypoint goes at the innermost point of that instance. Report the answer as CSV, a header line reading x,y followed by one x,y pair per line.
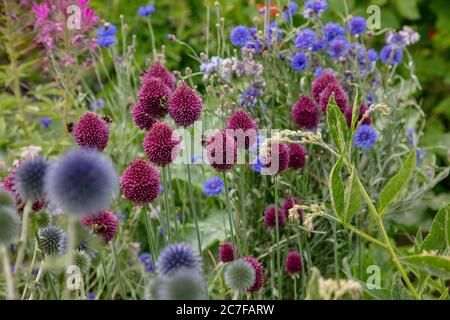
x,y
29,178
9,224
6,199
83,260
82,182
153,287
239,275
53,240
184,284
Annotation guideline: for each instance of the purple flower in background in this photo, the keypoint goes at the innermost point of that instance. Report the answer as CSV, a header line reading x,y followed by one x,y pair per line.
x,y
332,31
274,31
91,296
213,186
290,10
106,35
96,105
356,26
391,55
299,62
240,35
365,137
396,39
45,122
420,154
319,71
145,11
249,97
314,8
371,99
318,45
372,55
146,260
338,48
305,39
257,165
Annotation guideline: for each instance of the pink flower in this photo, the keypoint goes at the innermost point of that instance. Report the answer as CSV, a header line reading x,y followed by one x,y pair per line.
x,y
103,224
41,11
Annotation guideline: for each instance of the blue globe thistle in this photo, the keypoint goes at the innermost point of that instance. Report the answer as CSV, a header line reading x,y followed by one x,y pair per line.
x,y
391,55
29,180
314,8
53,240
213,186
332,31
183,284
290,10
305,39
240,35
356,26
9,224
106,35
145,11
178,256
299,62
82,182
338,48
45,122
365,137
239,275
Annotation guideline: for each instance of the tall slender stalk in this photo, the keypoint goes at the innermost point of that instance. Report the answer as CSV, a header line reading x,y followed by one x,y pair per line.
x,y
23,234
166,205
148,229
105,275
11,292
230,217
119,274
243,213
38,278
277,239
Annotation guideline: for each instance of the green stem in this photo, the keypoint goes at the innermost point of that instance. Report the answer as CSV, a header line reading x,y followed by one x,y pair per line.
x,y
151,245
335,251
295,288
277,239
105,275
23,234
243,213
11,292
230,216
119,274
166,206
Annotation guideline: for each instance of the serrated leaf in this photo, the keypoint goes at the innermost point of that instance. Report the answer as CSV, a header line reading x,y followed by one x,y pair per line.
x,y
434,265
336,186
398,182
352,197
438,237
337,125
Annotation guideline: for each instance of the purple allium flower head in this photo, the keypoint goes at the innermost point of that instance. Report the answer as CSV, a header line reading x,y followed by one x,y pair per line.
x,y
213,186
365,137
140,182
159,71
289,203
81,182
332,31
240,35
356,26
305,39
221,151
340,97
321,83
243,127
29,179
362,110
305,113
277,158
391,55
270,218
146,11
297,156
299,62
185,106
290,11
178,256
314,8
45,122
103,224
338,48
293,263
153,97
140,117
106,36
91,131
259,273
226,252
161,144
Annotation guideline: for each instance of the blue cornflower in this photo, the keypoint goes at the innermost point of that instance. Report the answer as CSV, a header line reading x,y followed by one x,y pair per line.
x,y
146,259
213,186
372,55
356,26
45,122
332,31
305,39
259,141
365,137
396,39
91,296
338,48
318,45
391,55
274,31
282,56
299,62
106,35
96,105
290,10
411,135
319,71
257,165
420,154
240,35
210,66
254,44
314,8
371,99
249,97
145,11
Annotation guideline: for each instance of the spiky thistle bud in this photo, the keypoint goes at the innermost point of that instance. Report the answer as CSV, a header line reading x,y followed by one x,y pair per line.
x,y
53,240
239,275
29,179
83,260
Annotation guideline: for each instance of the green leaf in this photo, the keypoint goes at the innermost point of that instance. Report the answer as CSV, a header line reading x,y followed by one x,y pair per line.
x,y
398,182
398,291
408,9
418,240
336,186
352,197
434,265
438,237
313,292
337,125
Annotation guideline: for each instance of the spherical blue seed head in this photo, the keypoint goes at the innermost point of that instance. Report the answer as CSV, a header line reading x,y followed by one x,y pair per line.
x,y
29,179
239,275
183,284
178,256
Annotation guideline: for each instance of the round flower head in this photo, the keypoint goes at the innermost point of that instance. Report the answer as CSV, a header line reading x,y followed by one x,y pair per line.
x,y
391,55
270,218
340,97
226,252
140,182
297,156
153,97
244,129
185,106
305,39
29,179
221,151
103,224
178,256
42,219
305,113
332,31
240,35
314,8
146,11
365,137
338,48
259,274
140,117
276,160
82,260
293,263
240,275
91,131
356,26
321,83
81,182
9,225
213,186
183,285
158,71
289,203
161,144
362,110
299,62
53,240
